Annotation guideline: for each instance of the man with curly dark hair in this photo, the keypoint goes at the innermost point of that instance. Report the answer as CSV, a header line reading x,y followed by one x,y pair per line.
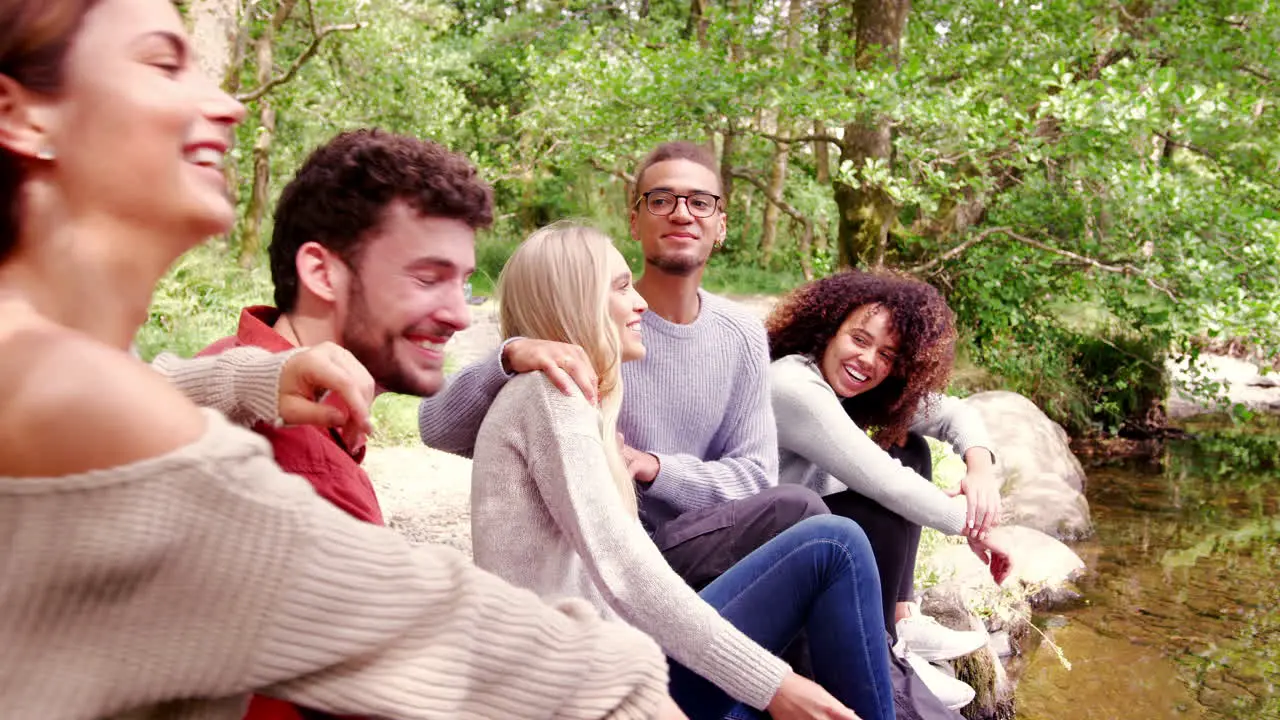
x,y
373,243
860,361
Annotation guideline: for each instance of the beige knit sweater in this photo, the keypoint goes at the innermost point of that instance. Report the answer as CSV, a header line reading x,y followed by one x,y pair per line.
x,y
545,514
175,586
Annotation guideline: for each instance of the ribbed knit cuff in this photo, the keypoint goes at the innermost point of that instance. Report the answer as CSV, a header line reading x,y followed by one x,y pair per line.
x,y
745,670
242,383
953,523
256,382
502,351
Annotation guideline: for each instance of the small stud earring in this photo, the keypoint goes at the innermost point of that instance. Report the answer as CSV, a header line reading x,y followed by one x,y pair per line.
x,y
46,154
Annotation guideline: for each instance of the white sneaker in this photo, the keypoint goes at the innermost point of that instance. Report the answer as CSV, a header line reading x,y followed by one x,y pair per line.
x,y
932,641
949,691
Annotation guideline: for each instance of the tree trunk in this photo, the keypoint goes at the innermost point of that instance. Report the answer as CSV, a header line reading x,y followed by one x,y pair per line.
x,y
214,26
251,242
781,151
866,213
698,22
777,183
726,163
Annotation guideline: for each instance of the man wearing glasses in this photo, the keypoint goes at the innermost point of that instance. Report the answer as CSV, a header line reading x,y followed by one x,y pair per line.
x,y
696,418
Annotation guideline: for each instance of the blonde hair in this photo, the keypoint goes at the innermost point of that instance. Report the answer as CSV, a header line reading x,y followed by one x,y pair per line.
x,y
556,287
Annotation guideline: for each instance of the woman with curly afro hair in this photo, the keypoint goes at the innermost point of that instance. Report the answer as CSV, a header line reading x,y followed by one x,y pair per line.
x,y
859,363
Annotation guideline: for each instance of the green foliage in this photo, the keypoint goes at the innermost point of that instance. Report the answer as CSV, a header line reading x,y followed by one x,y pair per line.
x,y
1130,151
199,301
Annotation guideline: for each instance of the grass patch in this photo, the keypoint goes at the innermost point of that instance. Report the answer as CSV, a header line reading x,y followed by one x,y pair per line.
x,y
395,421
199,301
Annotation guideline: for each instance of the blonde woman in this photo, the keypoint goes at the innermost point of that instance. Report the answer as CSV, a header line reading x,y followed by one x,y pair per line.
x,y
554,509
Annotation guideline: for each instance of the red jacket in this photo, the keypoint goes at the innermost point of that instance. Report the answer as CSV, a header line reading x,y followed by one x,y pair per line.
x,y
317,455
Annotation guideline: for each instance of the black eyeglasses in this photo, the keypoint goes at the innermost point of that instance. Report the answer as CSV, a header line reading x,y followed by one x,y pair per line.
x,y
661,202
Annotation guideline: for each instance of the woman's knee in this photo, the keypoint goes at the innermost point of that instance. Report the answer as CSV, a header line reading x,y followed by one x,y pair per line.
x,y
839,530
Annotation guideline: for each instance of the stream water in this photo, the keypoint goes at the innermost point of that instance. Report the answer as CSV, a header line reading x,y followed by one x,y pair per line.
x,y
1180,615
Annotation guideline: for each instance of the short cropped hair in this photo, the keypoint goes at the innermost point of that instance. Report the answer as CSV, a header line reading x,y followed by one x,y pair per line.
x,y
677,150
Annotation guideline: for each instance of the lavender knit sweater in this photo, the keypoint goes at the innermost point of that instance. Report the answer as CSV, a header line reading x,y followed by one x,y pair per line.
x,y
699,401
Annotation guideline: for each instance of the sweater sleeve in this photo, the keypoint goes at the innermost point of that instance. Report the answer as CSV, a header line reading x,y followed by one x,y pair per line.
x,y
812,424
242,383
748,460
573,478
450,419
952,421
365,623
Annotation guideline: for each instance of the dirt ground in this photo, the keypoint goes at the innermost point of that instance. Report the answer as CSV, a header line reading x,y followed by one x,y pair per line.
x,y
425,493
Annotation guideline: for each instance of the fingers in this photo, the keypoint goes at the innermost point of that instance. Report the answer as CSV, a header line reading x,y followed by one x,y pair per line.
x,y
326,386
561,379
566,365
337,371
578,365
295,410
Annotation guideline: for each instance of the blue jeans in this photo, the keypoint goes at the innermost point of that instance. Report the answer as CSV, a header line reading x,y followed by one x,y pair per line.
x,y
820,576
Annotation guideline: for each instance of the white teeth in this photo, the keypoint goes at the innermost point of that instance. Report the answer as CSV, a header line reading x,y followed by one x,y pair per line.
x,y
207,156
433,346
855,374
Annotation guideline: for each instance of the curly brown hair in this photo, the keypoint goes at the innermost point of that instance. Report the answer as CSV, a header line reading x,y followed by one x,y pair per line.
x,y
806,320
341,192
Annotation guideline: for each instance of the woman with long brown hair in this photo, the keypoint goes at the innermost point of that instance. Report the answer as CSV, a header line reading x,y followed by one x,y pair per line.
x,y
154,561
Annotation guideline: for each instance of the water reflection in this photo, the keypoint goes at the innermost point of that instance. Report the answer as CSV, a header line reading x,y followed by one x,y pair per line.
x,y
1181,612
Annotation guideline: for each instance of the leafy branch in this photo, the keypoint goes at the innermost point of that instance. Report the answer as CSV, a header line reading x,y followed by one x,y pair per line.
x,y
318,34
1125,269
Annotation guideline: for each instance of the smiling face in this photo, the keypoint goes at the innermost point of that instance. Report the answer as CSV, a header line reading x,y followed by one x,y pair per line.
x,y
406,298
862,353
625,306
138,132
679,243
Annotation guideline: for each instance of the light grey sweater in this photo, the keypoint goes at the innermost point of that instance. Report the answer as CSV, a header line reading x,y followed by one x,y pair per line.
x,y
699,401
821,447
546,515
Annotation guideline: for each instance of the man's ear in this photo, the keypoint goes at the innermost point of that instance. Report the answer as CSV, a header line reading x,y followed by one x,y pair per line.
x,y
24,120
635,233
321,272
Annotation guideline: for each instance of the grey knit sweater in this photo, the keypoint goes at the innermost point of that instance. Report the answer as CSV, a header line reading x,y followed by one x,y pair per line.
x,y
822,448
699,401
545,514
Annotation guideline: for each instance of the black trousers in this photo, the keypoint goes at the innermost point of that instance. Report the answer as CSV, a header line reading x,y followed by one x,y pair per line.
x,y
894,539
701,545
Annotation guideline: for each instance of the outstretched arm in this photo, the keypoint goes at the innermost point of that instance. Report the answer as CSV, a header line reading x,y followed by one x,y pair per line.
x,y
241,383
812,424
323,385
951,420
450,419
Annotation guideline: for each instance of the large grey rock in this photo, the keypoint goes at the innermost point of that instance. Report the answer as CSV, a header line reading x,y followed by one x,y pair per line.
x,y
1043,482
